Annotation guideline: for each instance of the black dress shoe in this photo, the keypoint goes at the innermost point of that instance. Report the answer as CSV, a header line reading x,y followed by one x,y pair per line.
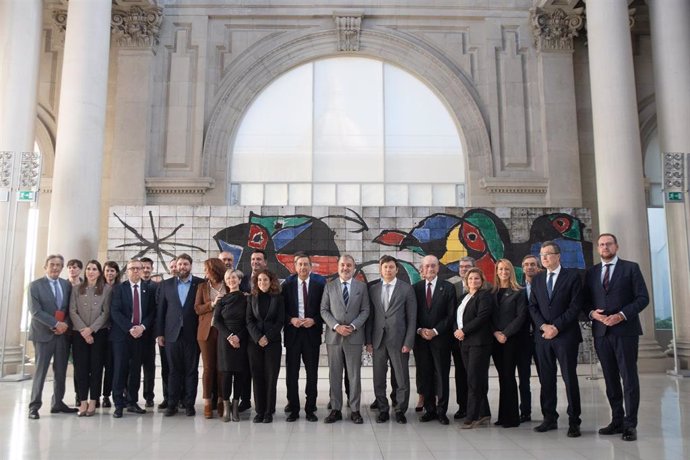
x,y
106,402
287,408
356,417
180,405
629,434
135,409
400,418
117,413
189,411
525,418
546,426
443,419
383,417
311,417
258,418
268,418
244,405
98,403
163,405
574,431
333,417
63,410
292,417
374,405
149,403
171,410
611,428
33,414
428,416
459,415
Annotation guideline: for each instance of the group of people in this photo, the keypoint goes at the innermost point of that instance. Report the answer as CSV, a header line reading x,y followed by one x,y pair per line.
x,y
239,325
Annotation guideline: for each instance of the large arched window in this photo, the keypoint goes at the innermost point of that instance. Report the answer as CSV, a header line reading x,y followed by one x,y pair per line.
x,y
347,131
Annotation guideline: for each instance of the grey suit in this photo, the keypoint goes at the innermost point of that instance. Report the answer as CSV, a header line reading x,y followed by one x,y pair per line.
x,y
348,349
48,345
388,330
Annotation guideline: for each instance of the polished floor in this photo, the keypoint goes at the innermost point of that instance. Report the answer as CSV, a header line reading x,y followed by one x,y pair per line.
x,y
664,431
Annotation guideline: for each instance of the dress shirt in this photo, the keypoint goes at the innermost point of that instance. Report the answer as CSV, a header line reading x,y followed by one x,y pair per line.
x,y
556,272
461,310
183,287
301,307
612,266
388,291
349,291
131,286
55,287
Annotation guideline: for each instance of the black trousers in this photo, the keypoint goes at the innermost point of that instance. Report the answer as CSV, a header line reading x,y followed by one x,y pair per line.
x,y
525,354
165,371
618,357
564,353
183,359
264,363
127,371
108,374
232,385
460,376
148,364
476,359
505,360
302,350
88,364
433,367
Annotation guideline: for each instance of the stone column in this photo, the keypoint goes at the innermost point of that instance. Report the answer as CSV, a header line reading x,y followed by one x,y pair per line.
x,y
671,57
20,37
617,151
74,225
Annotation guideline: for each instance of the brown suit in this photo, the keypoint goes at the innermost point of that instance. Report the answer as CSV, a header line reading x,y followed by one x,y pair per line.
x,y
207,337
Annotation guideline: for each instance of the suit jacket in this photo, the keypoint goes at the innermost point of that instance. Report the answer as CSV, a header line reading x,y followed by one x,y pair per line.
x,y
317,284
627,294
271,324
121,307
42,306
334,311
476,319
176,321
90,310
440,315
564,307
510,314
202,307
398,324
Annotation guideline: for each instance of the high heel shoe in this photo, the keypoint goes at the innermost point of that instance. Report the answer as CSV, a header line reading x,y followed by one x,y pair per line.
x,y
82,410
91,409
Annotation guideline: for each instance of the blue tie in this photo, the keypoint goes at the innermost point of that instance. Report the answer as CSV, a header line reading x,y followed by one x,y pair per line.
x,y
58,294
549,285
346,294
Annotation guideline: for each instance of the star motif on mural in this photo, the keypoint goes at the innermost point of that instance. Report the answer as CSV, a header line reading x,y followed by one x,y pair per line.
x,y
156,243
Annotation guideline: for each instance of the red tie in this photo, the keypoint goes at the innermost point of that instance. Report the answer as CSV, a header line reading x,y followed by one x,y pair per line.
x,y
136,320
304,297
606,277
428,296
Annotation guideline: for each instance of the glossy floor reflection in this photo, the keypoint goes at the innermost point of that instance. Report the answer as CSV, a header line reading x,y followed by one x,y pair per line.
x,y
664,431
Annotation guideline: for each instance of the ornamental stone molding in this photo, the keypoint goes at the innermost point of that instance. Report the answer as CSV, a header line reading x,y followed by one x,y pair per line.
x,y
348,26
136,26
674,170
554,29
178,185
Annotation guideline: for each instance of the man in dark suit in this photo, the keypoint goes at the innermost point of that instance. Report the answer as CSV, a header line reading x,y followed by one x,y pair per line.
x,y
390,334
436,302
49,307
615,294
555,303
131,314
302,293
530,267
148,357
345,309
176,328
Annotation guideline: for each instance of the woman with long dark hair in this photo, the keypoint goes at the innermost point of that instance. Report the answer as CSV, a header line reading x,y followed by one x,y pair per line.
x,y
111,273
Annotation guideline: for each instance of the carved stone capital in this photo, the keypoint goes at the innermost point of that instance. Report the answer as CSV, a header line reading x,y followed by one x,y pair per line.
x,y
554,29
136,26
59,24
348,26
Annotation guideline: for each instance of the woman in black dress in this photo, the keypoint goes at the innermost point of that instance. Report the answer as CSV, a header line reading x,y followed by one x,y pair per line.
x,y
111,273
265,316
230,318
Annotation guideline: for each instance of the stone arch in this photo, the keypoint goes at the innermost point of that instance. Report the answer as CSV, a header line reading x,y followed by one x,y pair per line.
x,y
273,56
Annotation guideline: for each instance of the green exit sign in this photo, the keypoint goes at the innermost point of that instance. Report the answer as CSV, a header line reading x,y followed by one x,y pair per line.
x,y
674,197
26,195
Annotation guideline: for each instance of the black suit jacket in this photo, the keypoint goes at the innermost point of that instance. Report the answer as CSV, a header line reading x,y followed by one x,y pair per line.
x,y
510,314
121,309
271,325
173,320
564,307
317,283
627,294
440,315
476,319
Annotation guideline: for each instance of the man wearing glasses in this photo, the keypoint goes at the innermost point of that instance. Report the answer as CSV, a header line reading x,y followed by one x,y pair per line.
x,y
555,303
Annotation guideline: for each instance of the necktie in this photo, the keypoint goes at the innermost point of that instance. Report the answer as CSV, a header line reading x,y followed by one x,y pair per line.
x,y
386,296
136,318
304,297
549,285
428,296
58,294
346,294
607,278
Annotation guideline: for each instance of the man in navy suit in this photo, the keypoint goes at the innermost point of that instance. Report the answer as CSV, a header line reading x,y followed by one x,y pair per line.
x,y
176,326
131,313
555,303
302,294
615,294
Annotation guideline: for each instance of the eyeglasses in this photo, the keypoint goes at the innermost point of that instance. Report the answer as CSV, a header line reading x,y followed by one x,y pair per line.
x,y
134,269
604,245
546,254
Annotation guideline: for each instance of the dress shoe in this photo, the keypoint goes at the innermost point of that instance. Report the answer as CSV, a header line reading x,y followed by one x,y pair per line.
x,y
419,408
149,403
81,413
98,404
629,434
220,406
459,415
268,418
163,405
117,413
244,405
189,411
292,416
482,421
546,426
135,409
63,409
498,423
525,418
33,414
311,417
611,428
91,413
428,416
180,405
208,410
288,408
374,405
333,417
383,417
400,418
258,418
443,419
356,417
170,411
106,402
574,431
235,410
467,425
